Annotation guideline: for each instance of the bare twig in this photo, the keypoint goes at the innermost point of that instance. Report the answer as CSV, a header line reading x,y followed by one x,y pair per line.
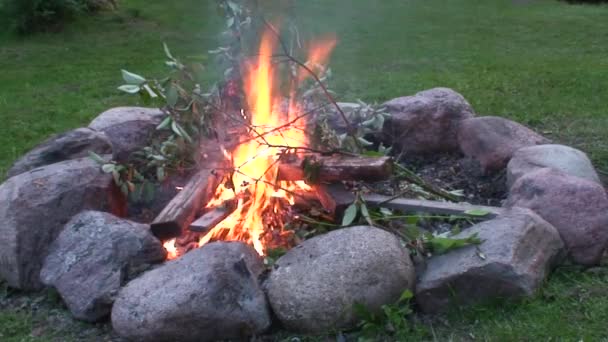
x,y
331,99
415,179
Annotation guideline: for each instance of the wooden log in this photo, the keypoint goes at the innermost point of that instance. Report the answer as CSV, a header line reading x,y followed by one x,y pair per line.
x,y
182,209
339,168
344,198
209,220
432,207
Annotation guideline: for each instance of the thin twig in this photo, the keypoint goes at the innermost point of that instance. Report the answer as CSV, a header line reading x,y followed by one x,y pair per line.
x,y
312,74
413,178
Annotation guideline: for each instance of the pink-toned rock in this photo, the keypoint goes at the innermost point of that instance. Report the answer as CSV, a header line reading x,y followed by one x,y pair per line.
x,y
577,207
492,140
558,157
426,122
36,205
210,294
519,250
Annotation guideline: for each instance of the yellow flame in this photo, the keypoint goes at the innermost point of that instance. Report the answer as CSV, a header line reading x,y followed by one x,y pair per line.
x,y
255,161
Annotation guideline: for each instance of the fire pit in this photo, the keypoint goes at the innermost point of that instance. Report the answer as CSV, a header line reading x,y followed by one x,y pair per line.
x,y
225,258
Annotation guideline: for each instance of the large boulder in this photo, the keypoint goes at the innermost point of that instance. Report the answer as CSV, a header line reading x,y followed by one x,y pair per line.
x,y
93,257
518,250
36,205
129,128
492,140
211,293
315,286
577,207
426,122
559,157
70,145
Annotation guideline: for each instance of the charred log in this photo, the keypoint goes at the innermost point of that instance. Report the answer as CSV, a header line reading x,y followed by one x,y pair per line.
x,y
182,209
204,223
337,168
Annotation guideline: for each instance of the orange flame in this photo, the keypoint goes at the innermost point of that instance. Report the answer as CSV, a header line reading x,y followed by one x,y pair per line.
x,y
255,162
318,55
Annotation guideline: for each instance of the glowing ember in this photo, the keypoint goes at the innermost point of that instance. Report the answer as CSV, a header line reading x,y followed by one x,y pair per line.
x,y
261,201
171,249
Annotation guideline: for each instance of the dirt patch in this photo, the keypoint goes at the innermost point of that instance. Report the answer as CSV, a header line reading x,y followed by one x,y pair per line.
x,y
455,173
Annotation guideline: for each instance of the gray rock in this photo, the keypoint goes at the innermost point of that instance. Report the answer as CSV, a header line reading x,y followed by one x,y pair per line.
x,y
93,257
35,206
70,145
426,122
211,293
577,207
519,248
492,140
129,128
559,157
313,288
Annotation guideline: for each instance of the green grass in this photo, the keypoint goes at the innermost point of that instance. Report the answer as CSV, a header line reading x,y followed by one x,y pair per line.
x,y
544,64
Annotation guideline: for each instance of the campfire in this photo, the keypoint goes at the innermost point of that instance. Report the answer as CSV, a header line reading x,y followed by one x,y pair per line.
x,y
252,203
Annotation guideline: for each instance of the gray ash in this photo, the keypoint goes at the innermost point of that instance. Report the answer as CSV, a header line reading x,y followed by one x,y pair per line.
x,y
453,172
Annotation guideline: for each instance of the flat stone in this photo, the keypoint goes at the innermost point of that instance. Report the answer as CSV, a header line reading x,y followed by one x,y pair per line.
x,y
518,251
559,157
128,128
314,287
426,122
492,140
70,145
95,254
577,207
36,205
209,294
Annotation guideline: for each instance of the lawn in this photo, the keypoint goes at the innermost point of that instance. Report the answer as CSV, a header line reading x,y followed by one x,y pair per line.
x,y
543,63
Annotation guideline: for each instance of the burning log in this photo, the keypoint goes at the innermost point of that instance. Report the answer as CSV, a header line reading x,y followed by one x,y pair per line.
x,y
338,168
204,223
182,209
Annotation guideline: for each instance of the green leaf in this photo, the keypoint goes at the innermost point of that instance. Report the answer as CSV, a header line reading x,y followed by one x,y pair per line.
x,y
412,220
349,215
172,95
364,142
406,295
175,129
386,212
441,245
96,158
365,214
233,6
160,173
150,91
164,124
168,52
132,78
477,212
184,134
129,88
107,168
373,154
